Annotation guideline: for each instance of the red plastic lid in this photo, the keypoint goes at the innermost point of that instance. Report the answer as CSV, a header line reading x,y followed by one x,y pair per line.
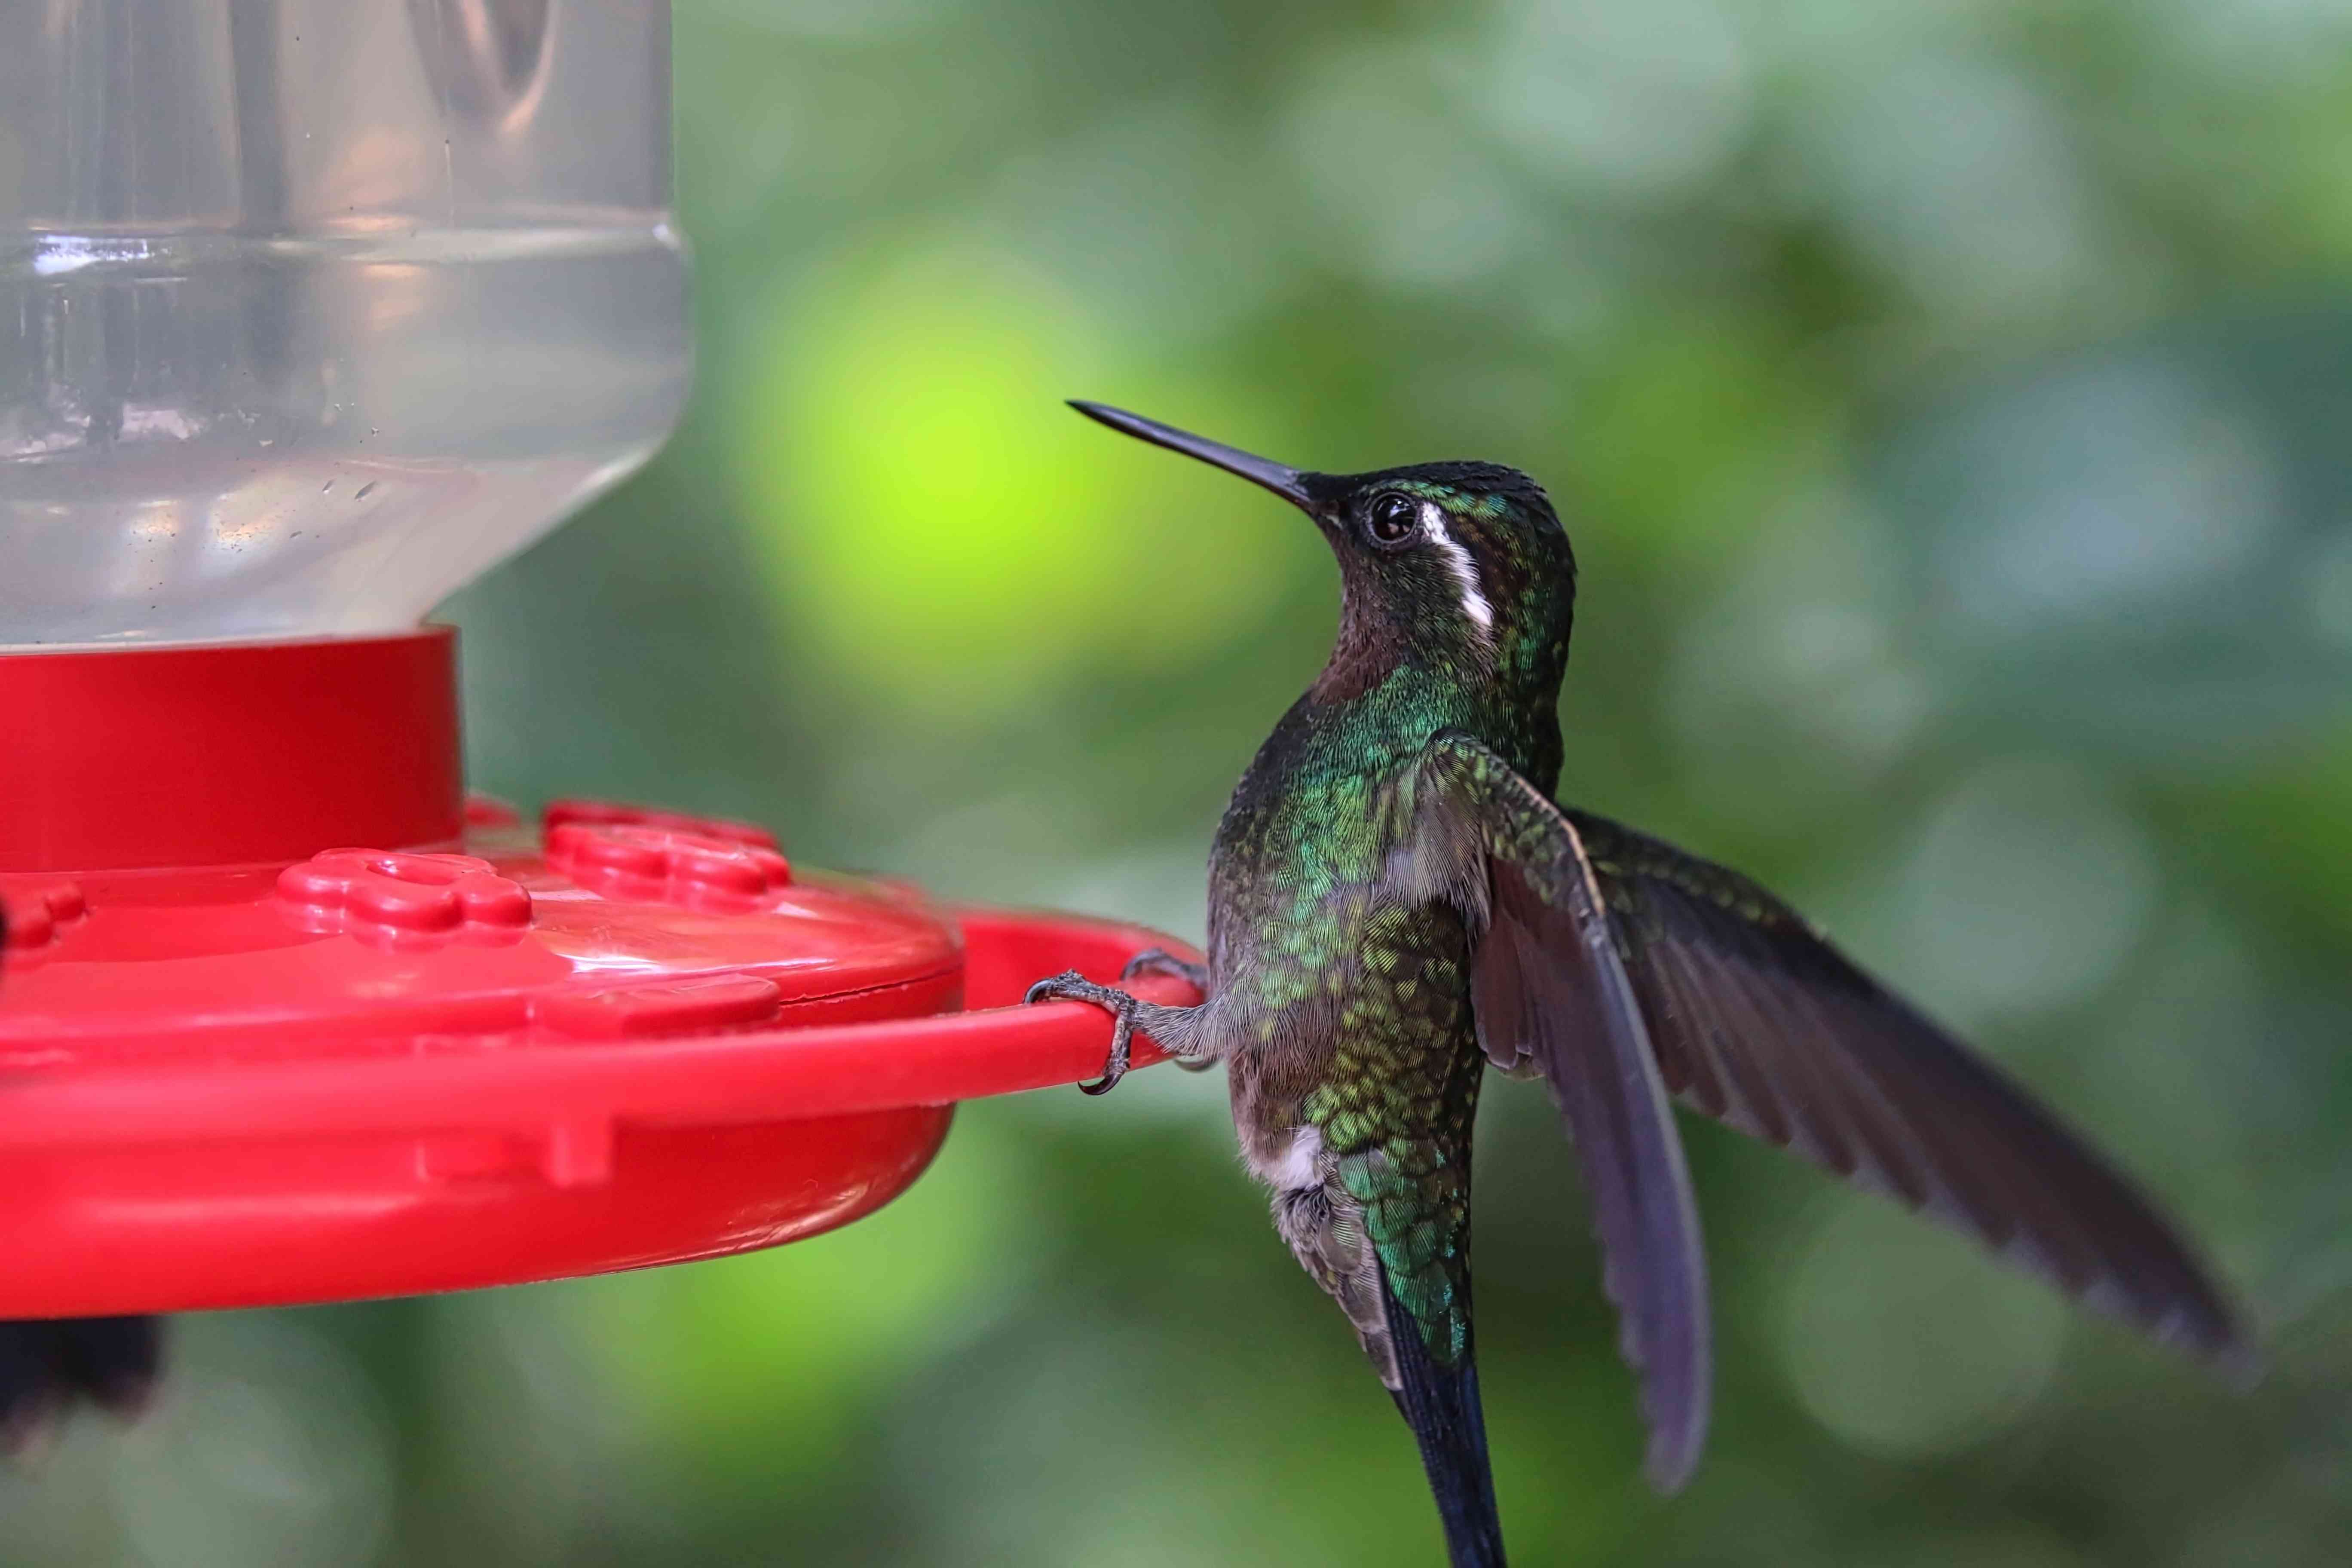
x,y
192,756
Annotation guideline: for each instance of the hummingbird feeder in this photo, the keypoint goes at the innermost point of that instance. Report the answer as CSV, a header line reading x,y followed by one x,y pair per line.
x,y
308,316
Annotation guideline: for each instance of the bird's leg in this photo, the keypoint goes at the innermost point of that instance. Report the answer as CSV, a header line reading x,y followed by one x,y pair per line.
x,y
1171,1026
1160,961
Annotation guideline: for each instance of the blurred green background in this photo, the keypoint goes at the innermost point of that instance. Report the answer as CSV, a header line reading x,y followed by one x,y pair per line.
x,y
1949,404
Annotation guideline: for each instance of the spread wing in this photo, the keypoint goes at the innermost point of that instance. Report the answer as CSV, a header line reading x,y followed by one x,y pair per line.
x,y
1762,1025
1551,992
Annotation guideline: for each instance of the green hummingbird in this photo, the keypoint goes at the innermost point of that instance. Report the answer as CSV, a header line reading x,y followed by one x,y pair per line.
x,y
1397,900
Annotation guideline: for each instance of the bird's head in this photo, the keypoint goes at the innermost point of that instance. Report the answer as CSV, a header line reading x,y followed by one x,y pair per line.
x,y
1459,565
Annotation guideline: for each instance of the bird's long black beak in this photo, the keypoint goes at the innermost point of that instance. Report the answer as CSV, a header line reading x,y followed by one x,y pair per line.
x,y
1288,483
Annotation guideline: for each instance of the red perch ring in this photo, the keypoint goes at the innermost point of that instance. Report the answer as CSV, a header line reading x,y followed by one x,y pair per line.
x,y
385,1072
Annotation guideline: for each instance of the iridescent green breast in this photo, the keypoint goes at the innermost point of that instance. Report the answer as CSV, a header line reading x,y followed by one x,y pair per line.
x,y
1397,1106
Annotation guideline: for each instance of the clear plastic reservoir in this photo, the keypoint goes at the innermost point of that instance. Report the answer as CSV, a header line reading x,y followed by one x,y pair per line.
x,y
312,311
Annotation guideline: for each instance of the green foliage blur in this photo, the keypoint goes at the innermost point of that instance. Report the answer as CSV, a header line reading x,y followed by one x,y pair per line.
x,y
1951,405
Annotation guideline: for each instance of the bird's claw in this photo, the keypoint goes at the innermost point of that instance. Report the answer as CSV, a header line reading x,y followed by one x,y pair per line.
x,y
1160,961
1071,986
1052,988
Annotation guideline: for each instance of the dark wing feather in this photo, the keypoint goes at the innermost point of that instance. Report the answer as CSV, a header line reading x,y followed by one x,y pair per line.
x,y
46,1366
1551,992
1762,1025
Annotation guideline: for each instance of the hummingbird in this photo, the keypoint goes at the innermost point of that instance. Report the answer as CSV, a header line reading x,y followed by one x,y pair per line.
x,y
48,1365
1398,902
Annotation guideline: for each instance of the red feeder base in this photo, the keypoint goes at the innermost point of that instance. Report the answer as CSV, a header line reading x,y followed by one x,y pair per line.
x,y
485,1060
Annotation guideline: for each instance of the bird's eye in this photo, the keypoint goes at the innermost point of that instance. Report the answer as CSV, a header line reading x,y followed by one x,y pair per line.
x,y
1392,520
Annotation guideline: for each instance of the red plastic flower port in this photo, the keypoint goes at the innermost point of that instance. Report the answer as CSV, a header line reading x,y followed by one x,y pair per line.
x,y
667,865
39,913
403,898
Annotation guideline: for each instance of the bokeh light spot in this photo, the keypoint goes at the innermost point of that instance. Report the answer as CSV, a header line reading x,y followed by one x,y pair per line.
x,y
2028,888
937,522
1905,1342
766,1358
267,1446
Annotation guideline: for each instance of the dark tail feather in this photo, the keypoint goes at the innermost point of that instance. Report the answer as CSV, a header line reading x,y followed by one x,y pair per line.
x,y
45,1366
1441,1405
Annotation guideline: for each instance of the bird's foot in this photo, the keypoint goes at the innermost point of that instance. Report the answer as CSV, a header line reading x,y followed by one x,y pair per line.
x,y
1071,986
1160,961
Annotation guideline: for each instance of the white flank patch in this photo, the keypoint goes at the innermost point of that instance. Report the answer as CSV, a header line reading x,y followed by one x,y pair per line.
x,y
1298,1168
1457,561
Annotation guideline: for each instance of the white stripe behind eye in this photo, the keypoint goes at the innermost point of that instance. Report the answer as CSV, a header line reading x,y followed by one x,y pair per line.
x,y
1457,561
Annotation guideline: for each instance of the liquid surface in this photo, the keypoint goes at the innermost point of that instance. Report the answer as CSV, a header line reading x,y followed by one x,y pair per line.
x,y
226,438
